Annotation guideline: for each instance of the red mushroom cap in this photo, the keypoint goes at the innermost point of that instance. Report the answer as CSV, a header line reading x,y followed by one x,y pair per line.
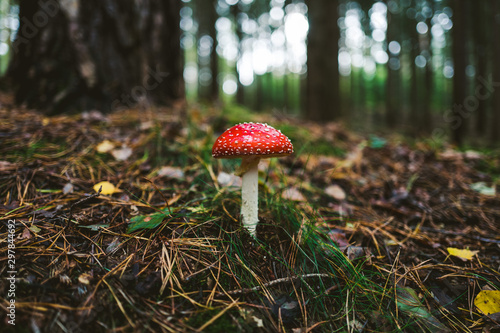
x,y
253,139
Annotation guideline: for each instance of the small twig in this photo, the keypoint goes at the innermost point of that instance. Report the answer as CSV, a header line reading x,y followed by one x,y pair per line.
x,y
272,283
82,200
187,278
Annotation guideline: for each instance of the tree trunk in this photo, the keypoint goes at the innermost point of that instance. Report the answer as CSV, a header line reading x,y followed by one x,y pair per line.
x,y
458,125
414,116
322,92
96,54
480,32
495,123
393,83
208,88
240,92
426,123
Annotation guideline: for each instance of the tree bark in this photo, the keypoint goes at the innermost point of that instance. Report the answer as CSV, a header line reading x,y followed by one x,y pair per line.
x,y
414,98
96,54
426,123
207,61
240,92
480,32
458,125
322,91
393,83
495,123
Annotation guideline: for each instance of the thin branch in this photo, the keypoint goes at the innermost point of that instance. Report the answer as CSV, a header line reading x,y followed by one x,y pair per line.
x,y
272,283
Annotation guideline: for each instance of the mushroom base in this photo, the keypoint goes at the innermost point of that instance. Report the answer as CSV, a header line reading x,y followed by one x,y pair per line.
x,y
250,198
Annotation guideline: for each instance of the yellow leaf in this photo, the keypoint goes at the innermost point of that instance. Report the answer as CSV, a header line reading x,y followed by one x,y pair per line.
x,y
462,254
105,146
84,278
488,301
107,188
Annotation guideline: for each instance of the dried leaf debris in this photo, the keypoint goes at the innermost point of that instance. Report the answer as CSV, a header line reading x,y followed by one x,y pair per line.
x,y
148,239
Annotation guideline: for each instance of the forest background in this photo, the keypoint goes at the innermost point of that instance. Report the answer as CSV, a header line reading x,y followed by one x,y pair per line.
x,y
416,67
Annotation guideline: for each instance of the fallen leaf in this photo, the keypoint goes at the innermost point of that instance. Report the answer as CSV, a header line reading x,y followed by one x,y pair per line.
x,y
488,301
93,116
409,303
482,188
258,322
338,236
464,254
146,125
84,278
171,172
35,229
335,192
249,316
146,222
121,154
107,188
450,154
68,188
105,146
473,155
26,234
293,194
229,180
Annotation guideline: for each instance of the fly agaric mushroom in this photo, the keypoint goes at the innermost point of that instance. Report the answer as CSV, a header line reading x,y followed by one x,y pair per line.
x,y
251,142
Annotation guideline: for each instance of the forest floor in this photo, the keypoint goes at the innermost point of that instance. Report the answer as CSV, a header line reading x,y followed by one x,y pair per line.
x,y
357,233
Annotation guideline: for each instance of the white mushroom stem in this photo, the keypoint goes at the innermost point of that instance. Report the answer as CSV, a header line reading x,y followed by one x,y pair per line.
x,y
250,193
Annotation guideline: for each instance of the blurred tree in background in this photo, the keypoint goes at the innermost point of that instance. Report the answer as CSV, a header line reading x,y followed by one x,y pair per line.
x,y
90,54
206,14
494,20
421,67
322,94
460,10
